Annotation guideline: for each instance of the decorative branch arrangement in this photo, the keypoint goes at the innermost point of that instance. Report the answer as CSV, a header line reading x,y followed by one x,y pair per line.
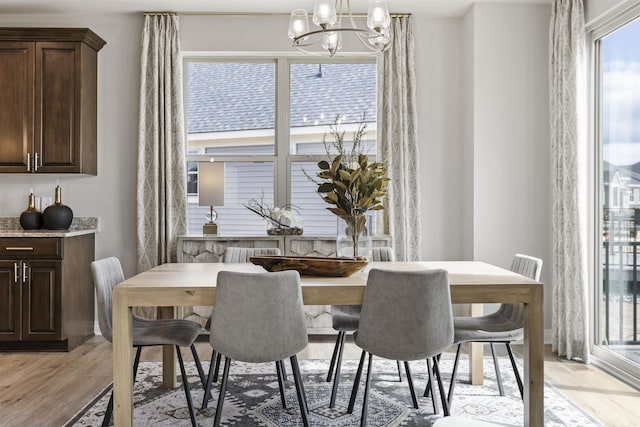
x,y
348,181
284,220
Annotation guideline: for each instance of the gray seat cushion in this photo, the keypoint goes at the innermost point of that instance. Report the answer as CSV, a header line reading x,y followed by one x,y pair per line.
x,y
492,327
164,332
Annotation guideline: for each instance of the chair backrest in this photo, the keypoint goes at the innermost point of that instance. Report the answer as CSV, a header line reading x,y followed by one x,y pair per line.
x,y
258,317
406,315
383,253
527,266
237,255
107,273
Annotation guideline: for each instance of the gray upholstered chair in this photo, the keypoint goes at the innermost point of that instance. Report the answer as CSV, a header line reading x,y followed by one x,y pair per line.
x,y
258,318
345,319
503,326
107,273
406,315
239,255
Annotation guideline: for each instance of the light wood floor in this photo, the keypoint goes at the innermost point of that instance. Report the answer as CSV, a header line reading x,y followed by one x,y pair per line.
x,y
46,389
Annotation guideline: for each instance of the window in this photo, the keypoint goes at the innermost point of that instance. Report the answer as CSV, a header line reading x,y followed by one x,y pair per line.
x,y
617,73
265,119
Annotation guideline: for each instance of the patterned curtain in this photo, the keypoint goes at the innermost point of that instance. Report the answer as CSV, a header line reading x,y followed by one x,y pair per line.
x,y
567,68
162,194
397,124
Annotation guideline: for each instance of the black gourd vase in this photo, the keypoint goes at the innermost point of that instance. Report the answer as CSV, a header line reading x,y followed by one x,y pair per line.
x,y
31,219
57,216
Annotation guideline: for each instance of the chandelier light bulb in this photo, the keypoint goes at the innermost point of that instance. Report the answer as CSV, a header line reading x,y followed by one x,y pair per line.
x,y
324,13
378,15
299,23
332,42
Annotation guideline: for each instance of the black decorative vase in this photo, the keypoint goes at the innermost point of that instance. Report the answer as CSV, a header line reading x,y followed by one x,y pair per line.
x,y
57,216
31,219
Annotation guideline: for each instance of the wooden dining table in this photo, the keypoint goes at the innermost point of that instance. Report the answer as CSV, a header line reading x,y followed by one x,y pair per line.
x,y
172,285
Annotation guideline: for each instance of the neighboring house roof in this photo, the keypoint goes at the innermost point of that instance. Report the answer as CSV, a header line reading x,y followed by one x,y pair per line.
x,y
226,97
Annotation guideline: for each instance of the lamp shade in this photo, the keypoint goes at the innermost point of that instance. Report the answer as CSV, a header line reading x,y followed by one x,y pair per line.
x,y
211,184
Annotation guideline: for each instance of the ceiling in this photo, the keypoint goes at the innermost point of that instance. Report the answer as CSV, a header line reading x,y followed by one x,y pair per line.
x,y
417,7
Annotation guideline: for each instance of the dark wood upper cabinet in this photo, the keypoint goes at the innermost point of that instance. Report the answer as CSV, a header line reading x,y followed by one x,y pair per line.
x,y
48,108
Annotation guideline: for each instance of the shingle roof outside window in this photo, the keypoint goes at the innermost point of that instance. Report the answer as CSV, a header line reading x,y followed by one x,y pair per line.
x,y
224,96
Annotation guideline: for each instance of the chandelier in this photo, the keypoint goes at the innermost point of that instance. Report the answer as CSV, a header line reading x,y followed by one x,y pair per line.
x,y
327,15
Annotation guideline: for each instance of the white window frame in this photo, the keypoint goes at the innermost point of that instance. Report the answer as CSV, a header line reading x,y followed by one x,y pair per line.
x,y
606,24
282,158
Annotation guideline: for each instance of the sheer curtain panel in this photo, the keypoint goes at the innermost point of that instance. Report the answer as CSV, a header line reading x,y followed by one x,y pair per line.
x,y
162,196
567,68
397,123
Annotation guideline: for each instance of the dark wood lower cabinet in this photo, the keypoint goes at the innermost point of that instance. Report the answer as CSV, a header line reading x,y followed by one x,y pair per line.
x,y
46,292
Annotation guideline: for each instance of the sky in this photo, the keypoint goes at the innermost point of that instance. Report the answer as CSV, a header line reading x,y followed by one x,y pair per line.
x,y
621,94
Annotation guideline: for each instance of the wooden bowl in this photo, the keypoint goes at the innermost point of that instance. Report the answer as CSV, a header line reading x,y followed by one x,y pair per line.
x,y
311,265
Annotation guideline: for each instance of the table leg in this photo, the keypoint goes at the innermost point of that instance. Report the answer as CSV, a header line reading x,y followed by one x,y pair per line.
x,y
476,351
168,355
534,359
122,361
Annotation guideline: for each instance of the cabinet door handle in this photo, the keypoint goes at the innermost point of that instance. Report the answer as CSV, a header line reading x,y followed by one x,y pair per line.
x,y
18,248
28,162
35,162
24,272
16,274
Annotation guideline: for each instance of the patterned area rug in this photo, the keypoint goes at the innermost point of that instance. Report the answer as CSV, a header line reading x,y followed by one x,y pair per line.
x,y
253,399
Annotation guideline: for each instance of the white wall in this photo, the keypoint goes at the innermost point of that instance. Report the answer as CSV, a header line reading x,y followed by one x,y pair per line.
x,y
110,195
511,148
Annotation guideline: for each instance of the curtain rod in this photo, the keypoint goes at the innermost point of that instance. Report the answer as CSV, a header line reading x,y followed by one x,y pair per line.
x,y
250,14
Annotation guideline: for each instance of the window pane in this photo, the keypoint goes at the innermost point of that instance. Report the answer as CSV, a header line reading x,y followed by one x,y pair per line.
x,y
242,181
620,288
323,93
318,221
231,108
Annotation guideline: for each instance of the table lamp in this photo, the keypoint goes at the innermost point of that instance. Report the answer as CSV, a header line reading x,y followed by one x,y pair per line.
x,y
211,192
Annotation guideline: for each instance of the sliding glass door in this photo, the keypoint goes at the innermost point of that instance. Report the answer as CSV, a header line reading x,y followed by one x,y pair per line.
x,y
617,78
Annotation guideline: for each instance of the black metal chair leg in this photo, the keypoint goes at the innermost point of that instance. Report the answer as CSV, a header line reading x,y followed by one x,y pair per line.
x,y
365,401
497,367
108,412
281,383
223,389
410,381
427,389
218,360
209,380
356,384
187,392
336,378
136,362
399,371
443,398
334,355
453,375
284,371
515,370
434,401
196,359
302,399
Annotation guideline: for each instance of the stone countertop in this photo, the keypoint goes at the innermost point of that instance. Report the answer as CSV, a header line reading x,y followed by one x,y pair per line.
x,y
10,227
